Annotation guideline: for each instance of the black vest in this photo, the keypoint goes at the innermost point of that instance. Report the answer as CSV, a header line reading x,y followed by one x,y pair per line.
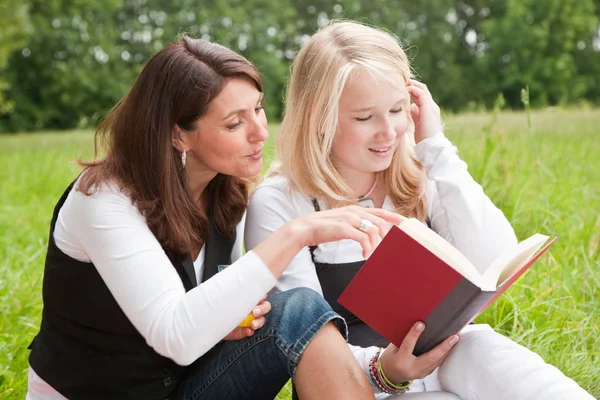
x,y
334,278
86,347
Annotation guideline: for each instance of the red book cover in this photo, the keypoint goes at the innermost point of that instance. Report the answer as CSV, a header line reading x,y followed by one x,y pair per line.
x,y
402,282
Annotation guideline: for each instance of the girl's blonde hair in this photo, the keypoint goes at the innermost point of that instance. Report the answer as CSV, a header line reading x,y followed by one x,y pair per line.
x,y
319,74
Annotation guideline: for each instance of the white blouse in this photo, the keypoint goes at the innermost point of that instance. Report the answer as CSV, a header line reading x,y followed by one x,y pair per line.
x,y
458,210
106,229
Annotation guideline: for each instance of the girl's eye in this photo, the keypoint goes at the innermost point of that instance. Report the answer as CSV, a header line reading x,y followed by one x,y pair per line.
x,y
258,108
234,126
397,110
363,119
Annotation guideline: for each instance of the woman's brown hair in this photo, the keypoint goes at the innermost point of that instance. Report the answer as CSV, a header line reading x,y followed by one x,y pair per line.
x,y
174,88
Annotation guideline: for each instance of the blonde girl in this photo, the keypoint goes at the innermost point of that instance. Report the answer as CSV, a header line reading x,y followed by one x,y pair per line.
x,y
351,135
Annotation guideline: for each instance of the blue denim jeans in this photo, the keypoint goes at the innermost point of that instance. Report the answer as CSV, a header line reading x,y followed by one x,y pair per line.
x,y
257,367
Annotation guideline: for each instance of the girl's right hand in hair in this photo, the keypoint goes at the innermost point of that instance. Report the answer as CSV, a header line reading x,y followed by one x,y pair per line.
x,y
345,223
400,365
424,111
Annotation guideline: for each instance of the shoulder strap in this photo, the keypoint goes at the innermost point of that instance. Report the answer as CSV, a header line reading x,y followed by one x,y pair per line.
x,y
57,208
316,205
313,248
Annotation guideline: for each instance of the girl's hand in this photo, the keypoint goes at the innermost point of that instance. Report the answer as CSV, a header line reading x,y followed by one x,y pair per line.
x,y
259,321
424,111
400,365
345,223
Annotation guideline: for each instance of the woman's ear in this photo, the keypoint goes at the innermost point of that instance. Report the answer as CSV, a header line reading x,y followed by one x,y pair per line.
x,y
177,138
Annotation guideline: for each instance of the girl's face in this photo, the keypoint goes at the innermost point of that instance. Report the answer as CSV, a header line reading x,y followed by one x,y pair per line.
x,y
373,116
229,138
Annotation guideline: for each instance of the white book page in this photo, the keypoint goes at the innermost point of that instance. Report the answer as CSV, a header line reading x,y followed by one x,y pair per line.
x,y
444,250
512,259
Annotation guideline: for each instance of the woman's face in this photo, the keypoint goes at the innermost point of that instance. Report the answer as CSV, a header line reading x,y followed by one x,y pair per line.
x,y
373,116
229,138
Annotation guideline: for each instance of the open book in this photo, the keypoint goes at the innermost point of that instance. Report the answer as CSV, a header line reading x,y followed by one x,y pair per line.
x,y
416,275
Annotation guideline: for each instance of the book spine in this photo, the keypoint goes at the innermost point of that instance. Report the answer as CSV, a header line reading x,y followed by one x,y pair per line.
x,y
457,309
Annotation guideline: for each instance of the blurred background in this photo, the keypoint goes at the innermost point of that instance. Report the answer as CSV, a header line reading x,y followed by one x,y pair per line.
x,y
518,82
64,63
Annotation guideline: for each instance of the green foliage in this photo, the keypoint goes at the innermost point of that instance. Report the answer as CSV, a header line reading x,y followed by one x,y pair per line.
x,y
13,30
70,70
68,61
534,43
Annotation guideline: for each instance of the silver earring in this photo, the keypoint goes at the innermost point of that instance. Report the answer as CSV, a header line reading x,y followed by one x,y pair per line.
x,y
183,157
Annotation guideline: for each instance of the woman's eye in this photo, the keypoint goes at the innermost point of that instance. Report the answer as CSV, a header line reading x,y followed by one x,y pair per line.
x,y
397,110
234,126
258,108
363,119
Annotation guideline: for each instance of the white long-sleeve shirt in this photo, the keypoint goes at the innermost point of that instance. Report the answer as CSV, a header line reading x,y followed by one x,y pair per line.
x,y
107,230
458,210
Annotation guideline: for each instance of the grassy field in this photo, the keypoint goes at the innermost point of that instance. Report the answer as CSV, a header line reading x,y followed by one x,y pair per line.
x,y
546,178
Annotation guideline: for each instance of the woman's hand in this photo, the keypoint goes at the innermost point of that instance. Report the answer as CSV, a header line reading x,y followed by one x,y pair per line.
x,y
258,312
279,248
345,223
400,365
424,111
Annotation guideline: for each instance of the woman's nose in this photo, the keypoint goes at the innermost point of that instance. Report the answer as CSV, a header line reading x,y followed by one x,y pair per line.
x,y
259,132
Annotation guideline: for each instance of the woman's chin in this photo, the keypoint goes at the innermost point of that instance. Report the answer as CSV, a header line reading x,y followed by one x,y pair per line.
x,y
250,173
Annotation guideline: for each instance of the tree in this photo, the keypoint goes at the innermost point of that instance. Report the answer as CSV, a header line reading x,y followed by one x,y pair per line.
x,y
13,31
587,59
82,55
64,63
70,69
532,43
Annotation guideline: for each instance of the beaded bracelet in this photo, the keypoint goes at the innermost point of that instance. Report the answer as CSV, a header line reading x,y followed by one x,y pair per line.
x,y
380,380
374,374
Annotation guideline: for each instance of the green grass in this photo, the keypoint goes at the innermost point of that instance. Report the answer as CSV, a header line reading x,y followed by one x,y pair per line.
x,y
545,178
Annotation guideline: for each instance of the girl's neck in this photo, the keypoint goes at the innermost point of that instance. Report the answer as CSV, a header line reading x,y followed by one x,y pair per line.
x,y
371,189
365,185
361,184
